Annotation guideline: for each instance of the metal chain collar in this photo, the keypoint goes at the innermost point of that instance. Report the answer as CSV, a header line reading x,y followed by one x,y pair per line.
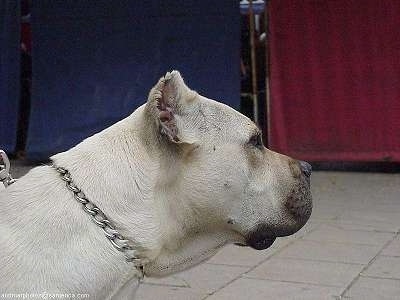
x,y
99,218
5,176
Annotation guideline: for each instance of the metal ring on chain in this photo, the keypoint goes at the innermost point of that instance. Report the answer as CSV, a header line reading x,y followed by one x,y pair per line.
x,y
99,218
5,176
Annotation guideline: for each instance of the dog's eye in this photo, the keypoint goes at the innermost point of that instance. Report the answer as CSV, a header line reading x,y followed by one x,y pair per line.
x,y
256,141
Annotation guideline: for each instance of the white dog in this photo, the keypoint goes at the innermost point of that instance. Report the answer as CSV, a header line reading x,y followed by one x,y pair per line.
x,y
178,179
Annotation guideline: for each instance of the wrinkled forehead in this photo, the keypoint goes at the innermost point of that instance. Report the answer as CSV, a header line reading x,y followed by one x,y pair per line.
x,y
225,120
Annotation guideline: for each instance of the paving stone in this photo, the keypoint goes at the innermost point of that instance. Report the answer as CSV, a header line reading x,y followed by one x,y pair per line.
x,y
334,252
332,233
346,225
364,216
393,249
310,226
257,289
367,288
241,256
322,211
306,271
363,225
245,256
171,280
153,292
208,278
385,267
388,207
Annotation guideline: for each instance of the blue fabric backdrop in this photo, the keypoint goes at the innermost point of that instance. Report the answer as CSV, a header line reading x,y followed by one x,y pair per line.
x,y
94,61
9,72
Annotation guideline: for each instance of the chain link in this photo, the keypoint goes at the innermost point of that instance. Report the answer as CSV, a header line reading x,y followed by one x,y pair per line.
x,y
99,218
5,176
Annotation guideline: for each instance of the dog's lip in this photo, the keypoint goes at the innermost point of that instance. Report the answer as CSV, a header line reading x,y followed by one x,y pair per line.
x,y
262,243
261,237
241,245
258,244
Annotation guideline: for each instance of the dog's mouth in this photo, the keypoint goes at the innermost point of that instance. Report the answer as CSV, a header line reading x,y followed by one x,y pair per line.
x,y
258,245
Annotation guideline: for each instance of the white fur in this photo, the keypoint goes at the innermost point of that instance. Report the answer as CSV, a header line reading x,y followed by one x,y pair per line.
x,y
179,202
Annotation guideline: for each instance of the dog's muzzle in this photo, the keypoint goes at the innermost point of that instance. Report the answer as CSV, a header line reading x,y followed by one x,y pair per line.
x,y
295,212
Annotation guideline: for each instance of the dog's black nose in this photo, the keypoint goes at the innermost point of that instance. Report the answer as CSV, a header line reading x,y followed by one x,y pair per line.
x,y
305,167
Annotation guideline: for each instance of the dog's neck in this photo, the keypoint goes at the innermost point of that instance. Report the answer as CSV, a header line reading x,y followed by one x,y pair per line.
x,y
119,170
50,231
135,177
116,171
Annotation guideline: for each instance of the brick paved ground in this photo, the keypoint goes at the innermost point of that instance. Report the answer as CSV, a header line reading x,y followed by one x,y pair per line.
x,y
349,249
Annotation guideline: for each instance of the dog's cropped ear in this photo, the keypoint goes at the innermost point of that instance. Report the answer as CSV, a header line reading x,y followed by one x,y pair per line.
x,y
169,100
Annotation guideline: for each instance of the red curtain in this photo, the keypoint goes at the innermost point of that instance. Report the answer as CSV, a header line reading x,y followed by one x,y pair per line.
x,y
335,79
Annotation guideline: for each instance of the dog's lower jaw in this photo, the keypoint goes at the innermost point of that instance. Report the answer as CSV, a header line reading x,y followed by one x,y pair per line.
x,y
191,252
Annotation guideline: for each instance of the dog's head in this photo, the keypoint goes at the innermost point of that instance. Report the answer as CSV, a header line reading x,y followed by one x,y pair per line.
x,y
223,177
